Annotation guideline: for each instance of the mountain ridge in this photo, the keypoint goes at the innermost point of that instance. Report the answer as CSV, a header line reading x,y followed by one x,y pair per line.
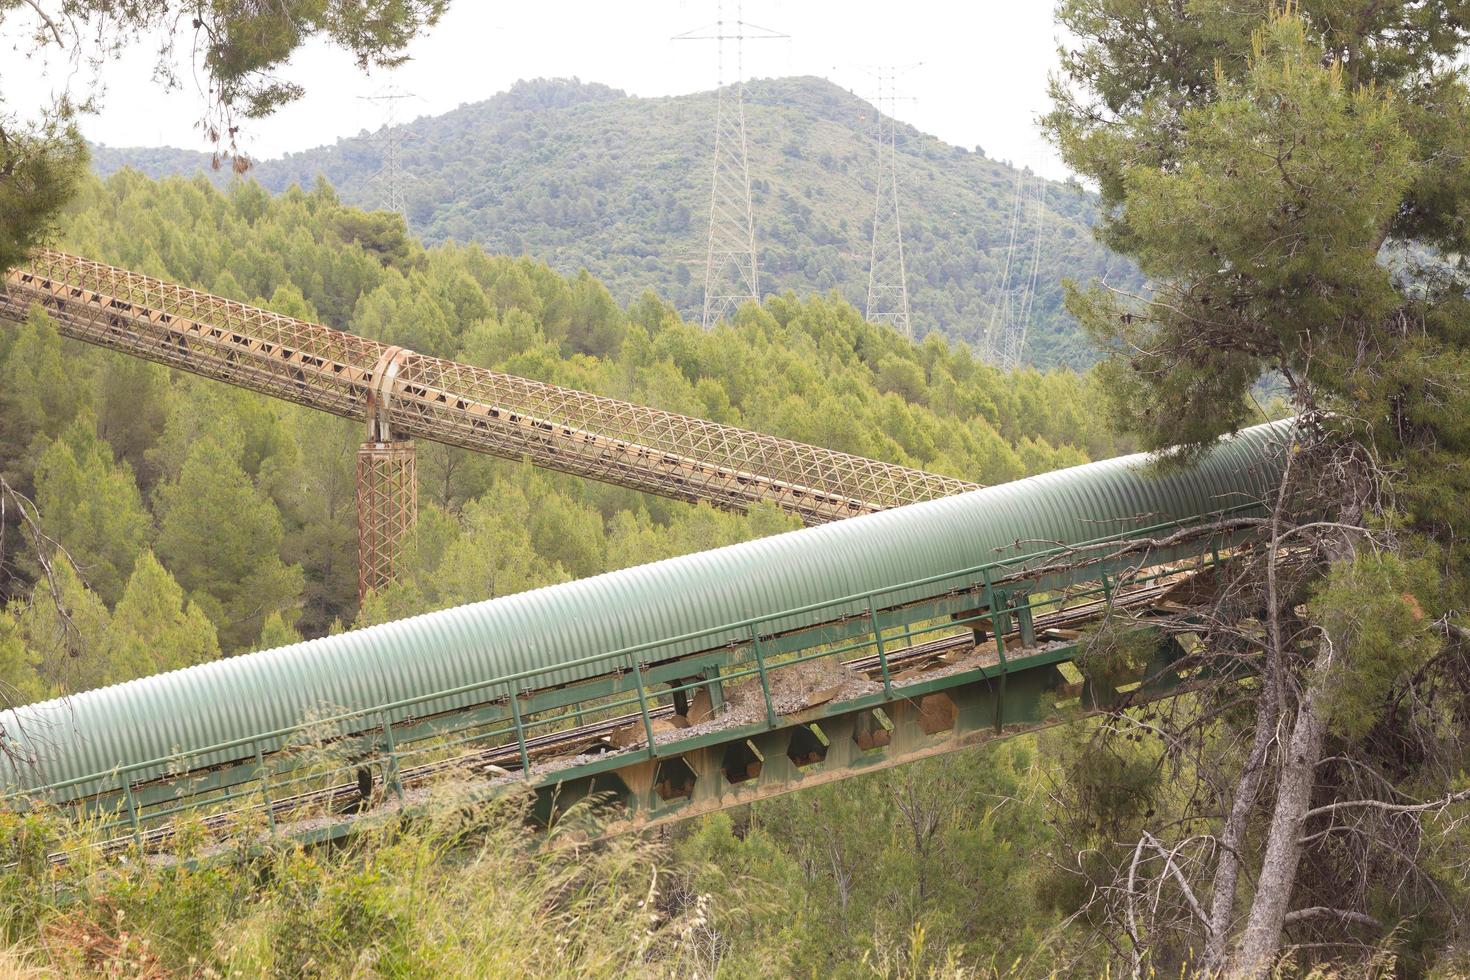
x,y
583,175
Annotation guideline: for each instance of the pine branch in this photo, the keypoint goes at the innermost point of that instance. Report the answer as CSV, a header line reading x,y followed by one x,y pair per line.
x,y
44,546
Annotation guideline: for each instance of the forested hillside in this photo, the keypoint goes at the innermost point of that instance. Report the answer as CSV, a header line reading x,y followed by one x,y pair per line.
x,y
581,175
1275,781
193,520
202,518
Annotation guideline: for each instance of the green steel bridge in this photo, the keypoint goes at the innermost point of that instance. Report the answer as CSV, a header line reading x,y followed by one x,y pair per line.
x,y
679,687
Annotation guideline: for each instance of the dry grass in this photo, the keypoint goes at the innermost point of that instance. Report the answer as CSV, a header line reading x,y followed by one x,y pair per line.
x,y
470,891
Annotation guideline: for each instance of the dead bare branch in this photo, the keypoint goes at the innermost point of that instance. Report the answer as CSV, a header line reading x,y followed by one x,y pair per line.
x,y
1386,807
44,547
1320,911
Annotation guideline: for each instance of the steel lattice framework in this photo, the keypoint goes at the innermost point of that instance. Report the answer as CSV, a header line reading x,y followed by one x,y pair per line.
x,y
448,402
391,176
1015,293
888,284
731,273
387,509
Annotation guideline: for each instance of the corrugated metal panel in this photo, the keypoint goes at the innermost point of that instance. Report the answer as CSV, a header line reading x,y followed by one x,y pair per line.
x,y
238,697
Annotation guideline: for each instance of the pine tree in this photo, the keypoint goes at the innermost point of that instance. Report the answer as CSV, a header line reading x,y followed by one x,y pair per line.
x,y
597,325
563,531
318,505
40,167
1286,183
236,47
40,393
253,430
69,633
20,681
494,556
133,401
221,538
155,629
401,312
278,633
90,504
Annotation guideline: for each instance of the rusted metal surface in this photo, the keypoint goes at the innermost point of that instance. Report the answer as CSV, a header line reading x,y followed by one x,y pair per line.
x,y
380,395
559,428
387,507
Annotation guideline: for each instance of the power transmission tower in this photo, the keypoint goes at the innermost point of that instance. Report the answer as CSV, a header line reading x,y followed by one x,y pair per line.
x,y
888,284
731,273
391,176
1015,293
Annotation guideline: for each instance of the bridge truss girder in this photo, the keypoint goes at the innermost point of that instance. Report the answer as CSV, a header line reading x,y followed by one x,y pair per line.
x,y
605,439
446,401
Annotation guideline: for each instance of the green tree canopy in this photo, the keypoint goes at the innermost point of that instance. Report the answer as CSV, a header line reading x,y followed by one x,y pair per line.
x,y
90,504
238,47
67,633
1256,175
20,678
221,538
39,395
1294,180
155,629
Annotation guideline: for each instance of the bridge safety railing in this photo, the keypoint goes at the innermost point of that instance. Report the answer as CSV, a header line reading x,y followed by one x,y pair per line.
x,y
501,731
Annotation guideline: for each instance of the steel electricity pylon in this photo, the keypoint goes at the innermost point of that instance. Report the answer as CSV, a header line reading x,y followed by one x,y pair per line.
x,y
731,270
391,176
888,284
1015,290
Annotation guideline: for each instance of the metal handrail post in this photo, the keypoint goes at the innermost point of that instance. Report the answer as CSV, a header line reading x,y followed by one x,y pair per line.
x,y
265,788
132,811
515,716
882,655
1000,652
394,778
643,706
760,666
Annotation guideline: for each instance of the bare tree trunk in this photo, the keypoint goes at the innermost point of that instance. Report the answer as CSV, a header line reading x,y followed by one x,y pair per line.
x,y
922,810
1232,835
1296,776
1248,788
1258,945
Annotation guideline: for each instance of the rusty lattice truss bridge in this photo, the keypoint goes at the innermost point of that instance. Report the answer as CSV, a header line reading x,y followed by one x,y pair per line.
x,y
403,395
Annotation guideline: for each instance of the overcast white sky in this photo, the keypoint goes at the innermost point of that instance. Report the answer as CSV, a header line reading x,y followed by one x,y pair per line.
x,y
982,77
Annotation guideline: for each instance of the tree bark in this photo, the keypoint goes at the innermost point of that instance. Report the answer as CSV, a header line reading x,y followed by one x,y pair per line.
x,y
1256,951
1248,787
1232,835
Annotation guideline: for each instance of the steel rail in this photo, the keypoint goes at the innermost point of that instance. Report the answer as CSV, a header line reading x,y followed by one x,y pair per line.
x,y
444,401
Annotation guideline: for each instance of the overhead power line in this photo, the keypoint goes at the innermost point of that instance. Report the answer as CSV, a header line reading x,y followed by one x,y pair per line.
x,y
1014,297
